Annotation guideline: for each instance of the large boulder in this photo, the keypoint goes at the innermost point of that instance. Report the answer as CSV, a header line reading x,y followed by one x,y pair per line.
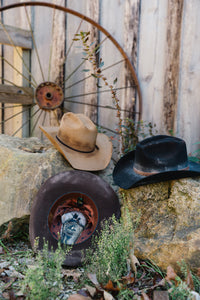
x,y
25,164
168,221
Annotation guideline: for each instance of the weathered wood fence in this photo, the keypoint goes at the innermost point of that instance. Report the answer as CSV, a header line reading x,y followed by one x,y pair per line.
x,y
161,39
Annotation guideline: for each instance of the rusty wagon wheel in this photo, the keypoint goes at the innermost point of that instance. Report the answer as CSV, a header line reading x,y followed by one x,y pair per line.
x,y
55,59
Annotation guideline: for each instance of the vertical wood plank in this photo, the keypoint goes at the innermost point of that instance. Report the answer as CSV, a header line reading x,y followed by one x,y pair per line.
x,y
17,79
152,59
189,77
131,29
172,66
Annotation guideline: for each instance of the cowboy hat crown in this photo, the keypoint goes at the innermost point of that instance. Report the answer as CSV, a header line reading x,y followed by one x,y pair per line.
x,y
78,132
160,154
78,140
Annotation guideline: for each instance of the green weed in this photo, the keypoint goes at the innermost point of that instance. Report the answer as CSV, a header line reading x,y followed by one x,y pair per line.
x,y
180,291
44,280
112,246
184,268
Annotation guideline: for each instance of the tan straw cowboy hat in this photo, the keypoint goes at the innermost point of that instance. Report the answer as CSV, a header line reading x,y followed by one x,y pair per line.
x,y
79,142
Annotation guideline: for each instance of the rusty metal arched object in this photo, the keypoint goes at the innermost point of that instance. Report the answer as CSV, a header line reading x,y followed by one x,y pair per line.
x,y
101,29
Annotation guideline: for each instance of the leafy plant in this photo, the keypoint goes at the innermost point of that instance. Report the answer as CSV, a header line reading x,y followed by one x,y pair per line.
x,y
132,131
112,246
44,279
180,291
126,294
189,275
180,288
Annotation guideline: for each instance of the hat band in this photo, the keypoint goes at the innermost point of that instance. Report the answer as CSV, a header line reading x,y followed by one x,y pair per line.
x,y
96,147
153,173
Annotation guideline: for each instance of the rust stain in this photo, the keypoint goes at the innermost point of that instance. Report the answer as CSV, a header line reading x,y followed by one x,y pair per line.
x,y
175,12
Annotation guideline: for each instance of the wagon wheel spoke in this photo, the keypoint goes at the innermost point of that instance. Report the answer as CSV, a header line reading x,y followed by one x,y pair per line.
x,y
89,76
27,121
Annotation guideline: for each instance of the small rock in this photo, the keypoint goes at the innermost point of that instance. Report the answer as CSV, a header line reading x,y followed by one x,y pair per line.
x,y
160,295
4,264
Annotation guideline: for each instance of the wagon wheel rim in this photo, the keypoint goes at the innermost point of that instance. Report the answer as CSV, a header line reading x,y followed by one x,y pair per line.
x,y
38,86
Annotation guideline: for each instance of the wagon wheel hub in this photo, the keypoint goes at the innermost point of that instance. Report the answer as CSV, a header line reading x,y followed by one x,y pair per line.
x,y
49,95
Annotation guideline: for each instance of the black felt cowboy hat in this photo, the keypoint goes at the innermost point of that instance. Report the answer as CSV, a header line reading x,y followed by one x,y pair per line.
x,y
70,206
155,159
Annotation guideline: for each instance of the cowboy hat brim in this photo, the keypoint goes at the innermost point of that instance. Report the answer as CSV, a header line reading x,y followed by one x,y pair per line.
x,y
125,177
55,195
93,161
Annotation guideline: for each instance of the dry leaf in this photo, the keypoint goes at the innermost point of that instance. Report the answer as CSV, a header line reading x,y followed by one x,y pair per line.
x,y
109,286
6,286
107,296
93,278
91,290
6,234
129,278
198,272
171,274
145,297
134,262
189,280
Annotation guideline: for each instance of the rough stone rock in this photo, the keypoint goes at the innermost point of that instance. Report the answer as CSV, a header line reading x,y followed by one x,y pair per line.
x,y
25,164
168,226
